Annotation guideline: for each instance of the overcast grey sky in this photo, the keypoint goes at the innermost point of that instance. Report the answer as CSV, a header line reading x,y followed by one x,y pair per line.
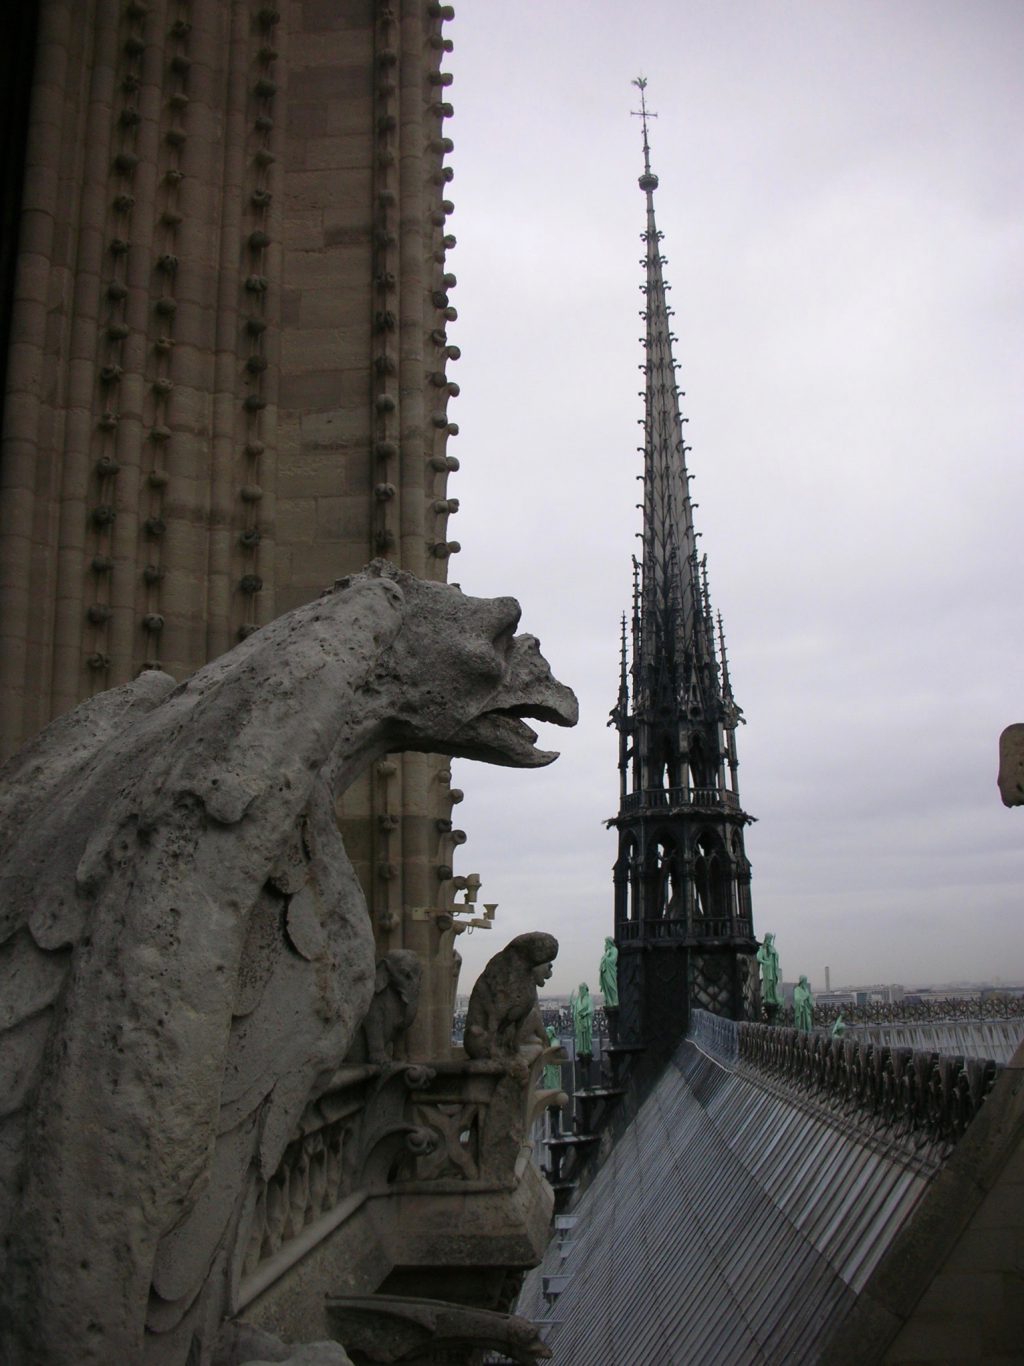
x,y
842,201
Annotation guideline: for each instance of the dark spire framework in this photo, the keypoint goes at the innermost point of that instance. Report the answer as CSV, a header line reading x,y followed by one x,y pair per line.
x,y
682,903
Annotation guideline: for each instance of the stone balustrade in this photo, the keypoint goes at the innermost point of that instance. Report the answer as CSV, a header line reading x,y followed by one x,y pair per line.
x,y
455,1127
673,798
921,1102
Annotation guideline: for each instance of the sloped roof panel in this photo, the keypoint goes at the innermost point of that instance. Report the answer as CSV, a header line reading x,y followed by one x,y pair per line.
x,y
730,1223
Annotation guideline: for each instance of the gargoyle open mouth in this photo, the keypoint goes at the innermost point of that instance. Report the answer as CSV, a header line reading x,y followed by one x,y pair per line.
x,y
499,733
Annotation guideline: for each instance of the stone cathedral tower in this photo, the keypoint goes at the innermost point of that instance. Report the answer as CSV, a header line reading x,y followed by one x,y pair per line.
x,y
682,881
225,291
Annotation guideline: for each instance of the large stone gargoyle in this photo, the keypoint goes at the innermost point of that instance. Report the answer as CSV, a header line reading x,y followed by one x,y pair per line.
x,y
185,953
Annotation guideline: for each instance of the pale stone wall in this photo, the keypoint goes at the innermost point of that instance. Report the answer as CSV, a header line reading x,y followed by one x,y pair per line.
x,y
227,371
951,1288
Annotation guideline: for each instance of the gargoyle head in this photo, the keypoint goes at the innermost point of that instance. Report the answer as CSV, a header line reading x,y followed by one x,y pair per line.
x,y
457,679
401,970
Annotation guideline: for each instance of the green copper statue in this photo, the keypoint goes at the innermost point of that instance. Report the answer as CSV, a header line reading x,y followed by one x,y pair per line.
x,y
583,1020
839,1027
552,1076
608,973
803,1006
768,957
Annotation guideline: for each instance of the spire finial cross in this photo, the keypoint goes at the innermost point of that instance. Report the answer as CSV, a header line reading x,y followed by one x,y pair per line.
x,y
644,114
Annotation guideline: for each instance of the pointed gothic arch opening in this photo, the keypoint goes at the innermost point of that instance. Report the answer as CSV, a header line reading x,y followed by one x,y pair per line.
x,y
663,881
627,879
700,762
712,879
664,763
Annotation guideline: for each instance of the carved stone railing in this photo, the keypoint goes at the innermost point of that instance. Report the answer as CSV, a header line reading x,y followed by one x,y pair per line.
x,y
697,928
454,1126
715,1035
921,1101
674,798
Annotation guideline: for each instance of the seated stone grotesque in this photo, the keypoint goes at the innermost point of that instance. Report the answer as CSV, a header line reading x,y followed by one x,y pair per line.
x,y
503,1011
185,951
396,994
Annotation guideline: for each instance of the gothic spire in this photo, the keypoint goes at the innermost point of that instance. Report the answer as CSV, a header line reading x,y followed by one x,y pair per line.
x,y
682,878
671,596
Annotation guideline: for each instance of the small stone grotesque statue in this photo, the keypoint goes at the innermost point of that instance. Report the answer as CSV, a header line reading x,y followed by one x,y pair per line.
x,y
768,957
803,1006
503,1010
396,995
608,973
582,1008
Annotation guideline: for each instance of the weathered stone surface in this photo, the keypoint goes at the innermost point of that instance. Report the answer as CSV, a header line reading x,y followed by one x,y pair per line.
x,y
154,842
389,1328
503,1008
1011,765
312,1354
245,1345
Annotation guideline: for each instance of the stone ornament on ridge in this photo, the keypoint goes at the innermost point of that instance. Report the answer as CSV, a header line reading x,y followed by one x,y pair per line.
x,y
1011,765
503,1011
167,1015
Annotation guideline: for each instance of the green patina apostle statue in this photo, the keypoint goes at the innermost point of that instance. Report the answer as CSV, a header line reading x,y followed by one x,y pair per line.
x,y
552,1078
803,1006
583,1020
768,957
608,973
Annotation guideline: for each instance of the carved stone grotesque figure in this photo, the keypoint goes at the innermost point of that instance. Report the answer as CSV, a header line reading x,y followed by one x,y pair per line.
x,y
185,952
396,994
503,1010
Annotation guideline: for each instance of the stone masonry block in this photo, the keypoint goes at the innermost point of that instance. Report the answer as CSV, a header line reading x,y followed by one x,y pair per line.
x,y
303,231
977,1294
319,189
342,519
336,431
295,521
312,568
320,474
333,305
988,1249
305,121
313,391
350,152
327,16
351,80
